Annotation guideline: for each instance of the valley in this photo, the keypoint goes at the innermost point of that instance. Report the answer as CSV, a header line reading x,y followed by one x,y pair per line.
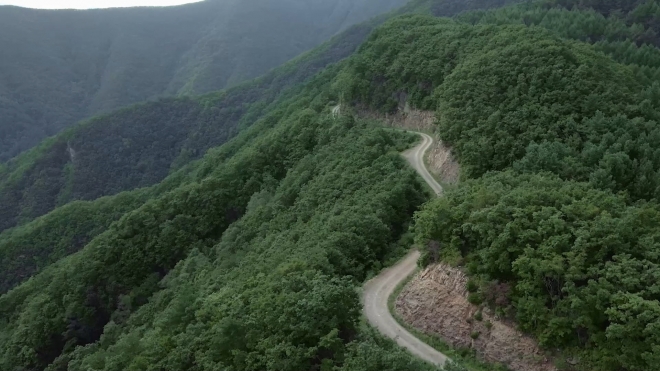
x,y
63,66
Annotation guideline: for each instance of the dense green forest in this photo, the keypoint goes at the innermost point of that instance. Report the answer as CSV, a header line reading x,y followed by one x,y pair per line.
x,y
140,145
247,255
27,250
60,66
112,153
557,219
311,206
575,265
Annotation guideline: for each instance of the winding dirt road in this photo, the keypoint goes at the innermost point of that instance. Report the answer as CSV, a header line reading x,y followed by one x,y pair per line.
x,y
378,290
416,158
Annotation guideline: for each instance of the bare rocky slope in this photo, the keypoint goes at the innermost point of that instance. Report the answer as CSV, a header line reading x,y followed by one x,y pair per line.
x,y
435,302
440,159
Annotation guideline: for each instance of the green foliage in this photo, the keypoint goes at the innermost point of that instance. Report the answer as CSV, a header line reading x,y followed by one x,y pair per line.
x,y
372,353
28,249
453,366
308,202
554,92
472,66
510,95
622,36
582,262
63,66
247,256
571,260
475,298
606,7
113,153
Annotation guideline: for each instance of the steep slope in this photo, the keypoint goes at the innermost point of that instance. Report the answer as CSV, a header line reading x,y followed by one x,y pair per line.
x,y
249,258
311,205
140,145
61,66
557,221
27,250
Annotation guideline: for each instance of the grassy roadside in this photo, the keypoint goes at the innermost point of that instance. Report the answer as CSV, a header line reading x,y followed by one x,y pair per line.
x,y
464,357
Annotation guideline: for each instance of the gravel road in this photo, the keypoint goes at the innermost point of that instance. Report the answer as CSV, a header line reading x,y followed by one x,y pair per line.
x,y
379,289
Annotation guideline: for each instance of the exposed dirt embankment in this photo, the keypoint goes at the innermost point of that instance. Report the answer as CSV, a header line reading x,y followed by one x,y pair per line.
x,y
440,159
435,302
411,119
442,163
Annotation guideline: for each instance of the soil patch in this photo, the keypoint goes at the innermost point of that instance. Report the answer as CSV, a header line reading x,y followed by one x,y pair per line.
x,y
440,159
435,302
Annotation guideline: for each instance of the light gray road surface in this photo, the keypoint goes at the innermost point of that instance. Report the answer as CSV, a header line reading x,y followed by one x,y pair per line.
x,y
416,158
379,289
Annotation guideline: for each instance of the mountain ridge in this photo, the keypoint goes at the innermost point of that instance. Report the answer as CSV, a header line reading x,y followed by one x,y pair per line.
x,y
61,66
249,256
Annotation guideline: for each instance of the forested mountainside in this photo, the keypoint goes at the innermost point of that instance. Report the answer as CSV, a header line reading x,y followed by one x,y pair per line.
x,y
311,206
248,258
557,222
60,66
138,146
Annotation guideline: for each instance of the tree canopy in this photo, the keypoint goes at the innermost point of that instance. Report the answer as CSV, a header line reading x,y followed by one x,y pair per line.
x,y
309,202
552,108
261,212
61,66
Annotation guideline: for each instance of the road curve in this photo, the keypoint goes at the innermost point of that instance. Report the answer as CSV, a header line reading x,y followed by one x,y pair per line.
x,y
378,290
416,158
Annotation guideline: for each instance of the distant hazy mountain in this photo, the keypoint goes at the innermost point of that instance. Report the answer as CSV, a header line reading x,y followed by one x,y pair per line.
x,y
59,66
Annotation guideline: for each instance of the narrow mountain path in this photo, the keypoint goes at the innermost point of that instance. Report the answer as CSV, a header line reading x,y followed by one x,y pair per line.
x,y
378,290
416,158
